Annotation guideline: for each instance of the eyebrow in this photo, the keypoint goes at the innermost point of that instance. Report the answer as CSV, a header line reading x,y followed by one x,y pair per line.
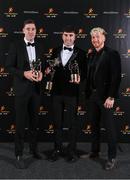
x,y
30,28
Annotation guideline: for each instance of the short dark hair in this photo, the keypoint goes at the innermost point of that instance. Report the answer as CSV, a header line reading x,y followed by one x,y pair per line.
x,y
69,29
29,21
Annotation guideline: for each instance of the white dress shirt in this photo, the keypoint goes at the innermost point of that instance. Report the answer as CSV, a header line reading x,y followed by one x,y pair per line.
x,y
66,54
31,52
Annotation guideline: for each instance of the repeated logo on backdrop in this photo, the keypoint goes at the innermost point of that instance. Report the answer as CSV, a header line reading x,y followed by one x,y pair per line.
x,y
119,34
50,19
126,55
51,13
118,111
4,110
127,14
11,13
87,129
3,73
126,92
125,129
12,129
3,33
90,13
42,111
10,92
81,34
41,33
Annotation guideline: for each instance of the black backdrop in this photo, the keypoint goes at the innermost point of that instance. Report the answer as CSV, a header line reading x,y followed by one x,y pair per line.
x,y
51,16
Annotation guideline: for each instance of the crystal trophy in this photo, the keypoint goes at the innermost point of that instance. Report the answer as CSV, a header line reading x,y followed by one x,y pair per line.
x,y
36,67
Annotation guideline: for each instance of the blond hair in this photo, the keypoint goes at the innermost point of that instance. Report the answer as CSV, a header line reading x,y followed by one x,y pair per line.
x,y
98,29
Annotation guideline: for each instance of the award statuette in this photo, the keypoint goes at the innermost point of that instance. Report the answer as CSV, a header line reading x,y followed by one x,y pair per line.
x,y
74,70
52,64
36,67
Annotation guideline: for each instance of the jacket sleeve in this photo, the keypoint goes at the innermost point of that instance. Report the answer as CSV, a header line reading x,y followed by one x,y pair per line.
x,y
83,77
11,62
115,73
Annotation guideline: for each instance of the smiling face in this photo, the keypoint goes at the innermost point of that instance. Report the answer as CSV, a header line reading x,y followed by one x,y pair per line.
x,y
98,39
29,31
68,38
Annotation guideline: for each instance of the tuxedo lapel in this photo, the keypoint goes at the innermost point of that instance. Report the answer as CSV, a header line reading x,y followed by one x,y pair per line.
x,y
37,49
24,51
74,55
59,54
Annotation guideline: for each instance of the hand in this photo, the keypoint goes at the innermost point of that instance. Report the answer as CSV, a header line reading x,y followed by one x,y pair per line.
x,y
47,70
109,103
76,81
40,76
37,75
30,75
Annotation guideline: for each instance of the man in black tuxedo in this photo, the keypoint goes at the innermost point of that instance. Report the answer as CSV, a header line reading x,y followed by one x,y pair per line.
x,y
23,62
103,80
65,91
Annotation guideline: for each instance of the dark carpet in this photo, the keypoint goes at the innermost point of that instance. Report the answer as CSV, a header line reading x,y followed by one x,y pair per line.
x,y
84,168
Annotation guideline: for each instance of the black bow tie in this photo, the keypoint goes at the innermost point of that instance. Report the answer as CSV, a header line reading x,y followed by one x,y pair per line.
x,y
30,44
67,48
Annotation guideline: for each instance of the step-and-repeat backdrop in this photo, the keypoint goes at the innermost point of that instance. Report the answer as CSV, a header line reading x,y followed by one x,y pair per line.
x,y
51,16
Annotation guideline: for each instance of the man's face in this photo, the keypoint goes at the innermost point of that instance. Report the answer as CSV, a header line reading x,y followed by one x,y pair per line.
x,y
68,38
29,31
98,39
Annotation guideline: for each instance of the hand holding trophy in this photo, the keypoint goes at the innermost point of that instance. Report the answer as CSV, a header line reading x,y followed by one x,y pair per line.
x,y
36,70
52,64
75,75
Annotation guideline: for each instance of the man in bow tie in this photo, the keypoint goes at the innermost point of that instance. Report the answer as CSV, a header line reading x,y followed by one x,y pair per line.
x,y
22,63
65,92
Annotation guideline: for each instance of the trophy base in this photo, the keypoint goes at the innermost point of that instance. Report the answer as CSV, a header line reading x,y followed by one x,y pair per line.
x,y
74,78
49,86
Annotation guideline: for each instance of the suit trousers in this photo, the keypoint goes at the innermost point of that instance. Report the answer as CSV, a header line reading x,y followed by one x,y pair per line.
x,y
96,113
70,104
26,108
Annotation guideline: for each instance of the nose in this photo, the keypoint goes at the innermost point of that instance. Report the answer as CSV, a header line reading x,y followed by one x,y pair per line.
x,y
68,37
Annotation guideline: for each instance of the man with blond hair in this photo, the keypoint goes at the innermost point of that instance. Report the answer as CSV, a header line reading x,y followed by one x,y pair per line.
x,y
103,80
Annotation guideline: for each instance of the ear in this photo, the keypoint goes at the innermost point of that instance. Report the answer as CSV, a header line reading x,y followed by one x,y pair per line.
x,y
23,30
104,38
75,36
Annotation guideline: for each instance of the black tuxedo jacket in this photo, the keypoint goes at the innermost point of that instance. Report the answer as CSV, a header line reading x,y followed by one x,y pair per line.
x,y
17,62
107,75
61,84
